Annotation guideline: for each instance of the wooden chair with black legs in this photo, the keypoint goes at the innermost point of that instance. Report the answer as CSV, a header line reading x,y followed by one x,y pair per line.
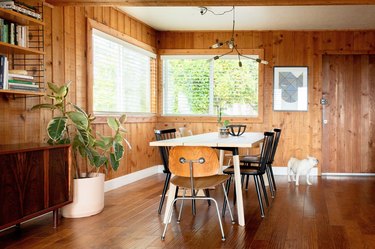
x,y
196,168
252,161
164,153
258,172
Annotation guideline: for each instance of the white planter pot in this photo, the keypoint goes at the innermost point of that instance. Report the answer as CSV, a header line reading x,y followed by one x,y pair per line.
x,y
88,197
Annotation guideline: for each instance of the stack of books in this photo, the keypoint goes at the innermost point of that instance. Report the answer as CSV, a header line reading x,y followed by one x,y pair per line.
x,y
18,80
21,8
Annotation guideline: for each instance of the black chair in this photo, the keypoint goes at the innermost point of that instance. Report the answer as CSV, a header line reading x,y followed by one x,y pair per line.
x,y
258,172
164,152
253,162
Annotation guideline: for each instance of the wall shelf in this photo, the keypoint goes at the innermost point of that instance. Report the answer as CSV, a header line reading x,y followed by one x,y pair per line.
x,y
22,93
19,18
7,48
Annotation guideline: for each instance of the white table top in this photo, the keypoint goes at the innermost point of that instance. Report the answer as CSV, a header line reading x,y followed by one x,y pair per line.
x,y
246,140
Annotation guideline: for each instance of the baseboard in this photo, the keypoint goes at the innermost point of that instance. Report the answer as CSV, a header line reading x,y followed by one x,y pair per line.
x,y
348,174
132,177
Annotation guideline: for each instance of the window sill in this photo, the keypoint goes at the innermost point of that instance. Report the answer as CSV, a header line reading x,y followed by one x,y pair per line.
x,y
207,119
131,118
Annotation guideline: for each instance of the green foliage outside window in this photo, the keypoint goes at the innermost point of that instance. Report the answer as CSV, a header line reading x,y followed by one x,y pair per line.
x,y
199,86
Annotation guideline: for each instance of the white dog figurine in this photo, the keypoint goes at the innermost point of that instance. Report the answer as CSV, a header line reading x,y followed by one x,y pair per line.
x,y
301,167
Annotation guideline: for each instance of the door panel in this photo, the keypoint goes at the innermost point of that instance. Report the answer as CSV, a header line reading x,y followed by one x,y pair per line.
x,y
349,115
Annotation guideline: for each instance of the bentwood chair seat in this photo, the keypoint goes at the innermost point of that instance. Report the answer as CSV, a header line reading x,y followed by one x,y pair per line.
x,y
195,168
200,182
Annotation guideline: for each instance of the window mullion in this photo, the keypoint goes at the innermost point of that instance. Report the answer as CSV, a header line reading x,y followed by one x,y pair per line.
x,y
211,94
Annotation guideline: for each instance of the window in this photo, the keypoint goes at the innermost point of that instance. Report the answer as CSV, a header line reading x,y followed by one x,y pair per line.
x,y
122,75
197,85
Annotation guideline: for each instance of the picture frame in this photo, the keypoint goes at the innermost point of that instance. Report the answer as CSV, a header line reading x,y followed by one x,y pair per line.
x,y
290,88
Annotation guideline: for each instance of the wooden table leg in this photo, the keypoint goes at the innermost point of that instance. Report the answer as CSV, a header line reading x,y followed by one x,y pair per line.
x,y
237,182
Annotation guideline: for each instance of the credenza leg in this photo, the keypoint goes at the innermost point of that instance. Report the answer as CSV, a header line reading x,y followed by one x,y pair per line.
x,y
55,217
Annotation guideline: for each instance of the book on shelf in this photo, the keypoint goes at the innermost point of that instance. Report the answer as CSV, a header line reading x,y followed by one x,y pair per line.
x,y
24,82
16,76
26,86
3,72
21,8
13,33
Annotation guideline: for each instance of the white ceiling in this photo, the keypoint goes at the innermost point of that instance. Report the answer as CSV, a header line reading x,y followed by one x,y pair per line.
x,y
258,17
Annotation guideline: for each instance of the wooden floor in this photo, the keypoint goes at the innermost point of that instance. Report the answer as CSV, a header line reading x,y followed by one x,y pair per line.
x,y
333,213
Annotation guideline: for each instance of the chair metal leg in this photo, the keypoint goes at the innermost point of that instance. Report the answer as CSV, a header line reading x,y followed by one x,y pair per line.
x,y
165,188
259,196
264,189
218,216
227,187
193,198
226,200
181,206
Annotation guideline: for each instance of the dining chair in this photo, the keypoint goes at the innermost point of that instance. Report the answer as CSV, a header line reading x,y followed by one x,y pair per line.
x,y
257,172
252,161
196,168
164,153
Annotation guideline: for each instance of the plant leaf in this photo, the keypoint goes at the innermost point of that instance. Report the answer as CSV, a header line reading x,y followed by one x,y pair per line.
x,y
56,128
99,161
54,88
115,164
44,106
79,119
122,119
113,123
84,136
118,150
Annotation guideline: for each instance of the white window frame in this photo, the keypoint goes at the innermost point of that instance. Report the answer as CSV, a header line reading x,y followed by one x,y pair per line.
x,y
94,26
209,53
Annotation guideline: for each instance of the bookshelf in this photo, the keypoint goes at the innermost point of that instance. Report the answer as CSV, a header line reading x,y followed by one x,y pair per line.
x,y
29,58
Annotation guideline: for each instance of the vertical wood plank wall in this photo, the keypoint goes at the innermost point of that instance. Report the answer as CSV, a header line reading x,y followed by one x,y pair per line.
x,y
65,46
302,131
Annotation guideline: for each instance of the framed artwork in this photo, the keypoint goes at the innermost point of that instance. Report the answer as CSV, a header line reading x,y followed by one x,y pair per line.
x,y
290,86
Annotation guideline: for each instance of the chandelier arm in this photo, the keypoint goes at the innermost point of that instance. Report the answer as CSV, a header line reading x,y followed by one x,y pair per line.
x,y
219,56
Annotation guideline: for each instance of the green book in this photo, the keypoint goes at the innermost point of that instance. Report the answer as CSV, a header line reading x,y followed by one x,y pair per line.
x,y
21,82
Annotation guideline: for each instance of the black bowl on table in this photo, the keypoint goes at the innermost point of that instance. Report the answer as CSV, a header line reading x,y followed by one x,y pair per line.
x,y
236,130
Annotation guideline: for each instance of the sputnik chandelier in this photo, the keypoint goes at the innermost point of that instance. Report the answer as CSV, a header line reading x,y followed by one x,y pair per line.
x,y
229,43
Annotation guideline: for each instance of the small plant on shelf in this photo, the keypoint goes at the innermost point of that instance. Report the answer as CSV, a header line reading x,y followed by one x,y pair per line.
x,y
71,124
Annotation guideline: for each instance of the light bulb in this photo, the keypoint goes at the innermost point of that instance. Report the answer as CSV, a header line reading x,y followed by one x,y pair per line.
x,y
217,45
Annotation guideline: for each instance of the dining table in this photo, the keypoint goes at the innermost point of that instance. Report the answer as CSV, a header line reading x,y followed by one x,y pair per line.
x,y
212,139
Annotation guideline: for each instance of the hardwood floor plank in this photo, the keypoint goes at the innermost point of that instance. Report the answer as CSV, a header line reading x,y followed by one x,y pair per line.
x,y
335,212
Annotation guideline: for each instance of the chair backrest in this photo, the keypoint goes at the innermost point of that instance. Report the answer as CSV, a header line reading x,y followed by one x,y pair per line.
x,y
274,145
266,151
164,150
180,156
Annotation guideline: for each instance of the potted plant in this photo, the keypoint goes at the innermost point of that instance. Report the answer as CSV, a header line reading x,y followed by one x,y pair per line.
x,y
223,124
71,124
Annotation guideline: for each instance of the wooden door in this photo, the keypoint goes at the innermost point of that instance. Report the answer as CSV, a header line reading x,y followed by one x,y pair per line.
x,y
349,114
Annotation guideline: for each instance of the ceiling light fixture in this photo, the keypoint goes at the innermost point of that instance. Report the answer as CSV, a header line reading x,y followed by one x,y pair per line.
x,y
229,43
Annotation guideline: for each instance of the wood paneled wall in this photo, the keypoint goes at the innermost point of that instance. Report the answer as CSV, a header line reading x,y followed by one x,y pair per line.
x,y
301,131
65,46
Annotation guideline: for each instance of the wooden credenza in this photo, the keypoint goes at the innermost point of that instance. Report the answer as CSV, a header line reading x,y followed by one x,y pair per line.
x,y
34,179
